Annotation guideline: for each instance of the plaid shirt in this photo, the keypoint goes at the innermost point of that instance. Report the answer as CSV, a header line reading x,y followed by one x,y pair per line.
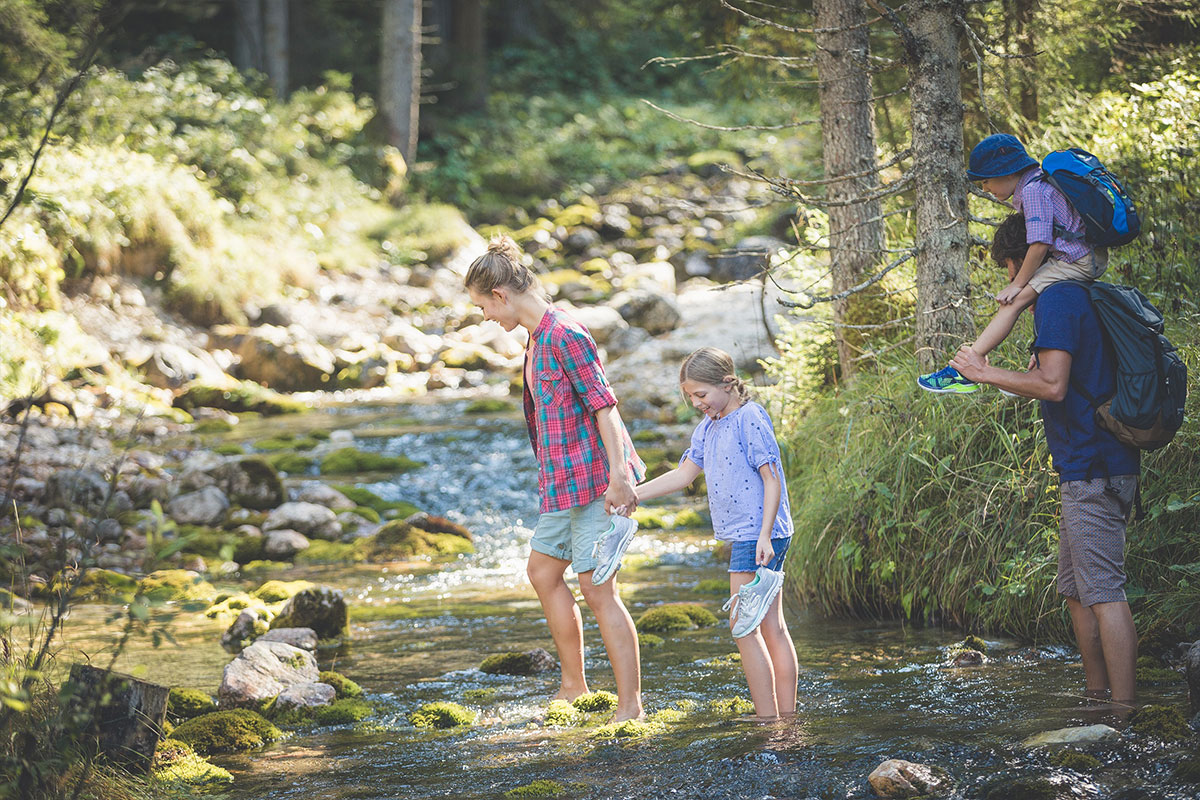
x,y
568,389
1046,208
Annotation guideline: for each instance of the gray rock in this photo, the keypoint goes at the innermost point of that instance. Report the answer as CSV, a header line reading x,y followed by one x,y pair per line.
x,y
1081,734
262,671
205,507
144,490
283,544
322,609
83,488
654,312
324,495
243,630
28,489
305,696
108,530
748,259
626,341
285,359
310,519
249,482
896,778
304,638
696,265
603,322
1192,667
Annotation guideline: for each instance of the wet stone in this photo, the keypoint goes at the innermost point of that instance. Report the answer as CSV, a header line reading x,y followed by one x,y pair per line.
x,y
303,638
262,671
1075,735
896,778
322,609
304,696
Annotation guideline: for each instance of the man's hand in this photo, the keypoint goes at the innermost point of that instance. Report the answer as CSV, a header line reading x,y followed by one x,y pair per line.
x,y
620,497
1008,294
969,364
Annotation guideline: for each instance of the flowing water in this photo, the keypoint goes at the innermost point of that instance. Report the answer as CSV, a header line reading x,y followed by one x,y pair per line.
x,y
868,691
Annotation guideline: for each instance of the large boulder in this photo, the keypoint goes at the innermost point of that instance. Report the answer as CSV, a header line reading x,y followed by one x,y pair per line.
x,y
320,608
284,359
896,778
305,696
312,520
83,487
262,671
281,545
249,482
655,312
204,507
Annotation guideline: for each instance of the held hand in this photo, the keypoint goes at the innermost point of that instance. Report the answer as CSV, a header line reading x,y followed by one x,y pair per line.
x,y
1008,294
969,364
763,552
620,498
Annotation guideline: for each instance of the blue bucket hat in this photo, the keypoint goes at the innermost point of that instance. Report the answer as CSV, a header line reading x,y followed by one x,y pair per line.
x,y
998,155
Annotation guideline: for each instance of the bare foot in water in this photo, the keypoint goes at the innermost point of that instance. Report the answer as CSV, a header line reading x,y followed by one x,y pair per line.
x,y
623,715
570,694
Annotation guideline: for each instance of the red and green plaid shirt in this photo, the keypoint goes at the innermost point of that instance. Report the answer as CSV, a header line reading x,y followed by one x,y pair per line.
x,y
564,388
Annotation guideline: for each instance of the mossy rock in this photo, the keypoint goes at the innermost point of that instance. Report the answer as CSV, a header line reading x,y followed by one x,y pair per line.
x,y
480,696
629,729
538,788
286,441
229,449
175,762
1023,787
228,608
1157,675
1159,638
182,585
275,591
1187,771
1165,723
514,663
320,551
185,704
214,425
975,643
351,461
104,585
245,396
672,617
213,543
343,712
399,540
233,731
561,714
442,715
489,405
259,566
367,513
291,463
593,702
730,705
713,586
650,436
341,684
1073,759
432,524
365,497
650,641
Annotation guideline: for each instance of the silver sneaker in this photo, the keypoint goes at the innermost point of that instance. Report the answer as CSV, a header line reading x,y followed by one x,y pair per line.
x,y
611,546
752,602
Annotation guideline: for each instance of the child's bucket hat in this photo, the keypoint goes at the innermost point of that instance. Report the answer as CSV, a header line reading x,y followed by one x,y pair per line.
x,y
998,155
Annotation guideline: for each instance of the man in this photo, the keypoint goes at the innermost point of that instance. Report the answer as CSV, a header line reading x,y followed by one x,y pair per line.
x,y
1098,478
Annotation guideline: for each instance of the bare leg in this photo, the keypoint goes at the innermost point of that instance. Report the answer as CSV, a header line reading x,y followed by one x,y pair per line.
x,y
562,615
783,657
1118,639
1087,634
621,642
756,660
1002,323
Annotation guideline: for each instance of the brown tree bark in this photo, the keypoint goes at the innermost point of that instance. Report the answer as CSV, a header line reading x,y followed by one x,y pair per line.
x,y
848,146
400,74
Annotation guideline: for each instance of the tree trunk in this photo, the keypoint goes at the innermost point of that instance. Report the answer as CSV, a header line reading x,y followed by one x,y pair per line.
x,y
943,316
121,715
400,74
468,49
275,44
248,35
1023,30
848,140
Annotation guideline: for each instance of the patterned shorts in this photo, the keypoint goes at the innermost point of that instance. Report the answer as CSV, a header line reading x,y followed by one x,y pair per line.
x,y
1091,538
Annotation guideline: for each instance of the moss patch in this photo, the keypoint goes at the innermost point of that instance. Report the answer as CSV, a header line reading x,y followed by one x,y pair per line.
x,y
593,702
104,585
730,705
341,684
539,788
629,729
214,425
399,540
229,449
365,497
1026,788
175,762
488,405
241,397
975,643
1073,759
1153,675
1160,722
1187,771
227,732
480,695
675,617
713,586
274,591
351,460
188,703
442,715
286,441
291,463
508,664
560,713
181,585
650,641
320,551
342,712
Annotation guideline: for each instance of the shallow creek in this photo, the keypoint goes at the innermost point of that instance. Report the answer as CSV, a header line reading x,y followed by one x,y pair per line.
x,y
868,691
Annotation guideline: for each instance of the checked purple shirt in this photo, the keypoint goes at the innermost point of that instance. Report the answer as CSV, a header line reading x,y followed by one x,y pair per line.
x,y
1043,206
568,388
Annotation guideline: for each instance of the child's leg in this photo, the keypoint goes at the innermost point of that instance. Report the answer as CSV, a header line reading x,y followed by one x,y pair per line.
x,y
620,640
562,614
778,640
1002,323
756,660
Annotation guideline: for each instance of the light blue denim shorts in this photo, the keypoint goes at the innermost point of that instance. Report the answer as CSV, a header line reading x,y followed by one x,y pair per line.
x,y
571,534
741,555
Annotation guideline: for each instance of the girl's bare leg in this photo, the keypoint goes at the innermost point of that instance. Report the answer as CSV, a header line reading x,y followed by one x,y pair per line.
x,y
562,615
756,660
1002,323
779,645
621,642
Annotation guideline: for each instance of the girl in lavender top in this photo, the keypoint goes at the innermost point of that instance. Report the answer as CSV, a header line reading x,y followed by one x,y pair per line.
x,y
736,449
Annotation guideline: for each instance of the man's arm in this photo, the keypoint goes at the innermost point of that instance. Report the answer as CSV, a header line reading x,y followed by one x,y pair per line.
x,y
620,483
1047,378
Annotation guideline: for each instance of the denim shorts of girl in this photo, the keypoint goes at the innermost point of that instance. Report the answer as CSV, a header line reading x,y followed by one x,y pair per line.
x,y
741,555
571,534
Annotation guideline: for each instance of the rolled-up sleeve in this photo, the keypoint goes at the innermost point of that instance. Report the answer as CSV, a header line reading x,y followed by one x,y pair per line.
x,y
581,363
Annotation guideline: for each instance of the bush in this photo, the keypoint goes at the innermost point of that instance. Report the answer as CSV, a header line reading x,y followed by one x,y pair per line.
x,y
231,731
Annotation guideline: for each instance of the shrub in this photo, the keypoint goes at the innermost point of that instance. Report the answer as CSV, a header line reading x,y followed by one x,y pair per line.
x,y
231,731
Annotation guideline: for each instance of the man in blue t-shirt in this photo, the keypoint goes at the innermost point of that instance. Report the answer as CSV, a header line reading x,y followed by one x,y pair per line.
x,y
1098,474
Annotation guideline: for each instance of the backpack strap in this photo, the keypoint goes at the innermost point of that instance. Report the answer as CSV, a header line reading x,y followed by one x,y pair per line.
x,y
1057,229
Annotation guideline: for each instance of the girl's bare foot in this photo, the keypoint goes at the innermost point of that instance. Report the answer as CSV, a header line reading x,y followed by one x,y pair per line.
x,y
570,694
623,715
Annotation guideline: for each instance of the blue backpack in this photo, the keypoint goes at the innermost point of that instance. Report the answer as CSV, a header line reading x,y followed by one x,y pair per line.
x,y
1107,209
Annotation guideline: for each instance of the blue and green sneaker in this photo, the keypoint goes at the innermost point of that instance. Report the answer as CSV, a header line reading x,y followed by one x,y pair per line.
x,y
946,381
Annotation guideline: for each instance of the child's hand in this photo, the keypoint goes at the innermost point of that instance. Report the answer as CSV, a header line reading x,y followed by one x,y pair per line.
x,y
764,553
1008,294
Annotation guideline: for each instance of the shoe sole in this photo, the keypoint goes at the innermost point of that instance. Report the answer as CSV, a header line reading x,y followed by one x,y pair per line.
x,y
606,572
972,390
767,605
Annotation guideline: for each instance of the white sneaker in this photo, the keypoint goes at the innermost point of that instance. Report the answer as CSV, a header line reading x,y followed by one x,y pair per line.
x,y
611,547
752,602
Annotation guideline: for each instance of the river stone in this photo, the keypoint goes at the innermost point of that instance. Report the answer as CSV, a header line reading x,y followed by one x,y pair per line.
x,y
83,487
305,696
1192,664
284,359
205,507
323,494
314,521
281,545
249,482
262,671
602,322
304,638
1083,734
527,663
654,312
144,490
323,609
748,259
243,630
898,778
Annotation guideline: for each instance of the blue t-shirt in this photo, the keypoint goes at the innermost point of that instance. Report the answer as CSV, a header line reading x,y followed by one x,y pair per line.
x,y
1064,320
730,450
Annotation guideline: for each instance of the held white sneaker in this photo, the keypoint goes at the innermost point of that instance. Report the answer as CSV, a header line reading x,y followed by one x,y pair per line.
x,y
752,602
611,547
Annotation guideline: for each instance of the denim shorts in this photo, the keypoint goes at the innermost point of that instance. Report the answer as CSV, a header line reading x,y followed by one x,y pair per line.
x,y
741,554
571,534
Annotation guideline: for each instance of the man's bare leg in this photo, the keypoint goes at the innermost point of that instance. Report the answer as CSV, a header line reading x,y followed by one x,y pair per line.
x,y
1118,640
562,615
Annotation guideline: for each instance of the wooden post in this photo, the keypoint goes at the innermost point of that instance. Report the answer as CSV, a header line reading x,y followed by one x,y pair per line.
x,y
121,715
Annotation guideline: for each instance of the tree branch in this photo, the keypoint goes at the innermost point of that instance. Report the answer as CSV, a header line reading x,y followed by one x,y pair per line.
x,y
706,126
878,276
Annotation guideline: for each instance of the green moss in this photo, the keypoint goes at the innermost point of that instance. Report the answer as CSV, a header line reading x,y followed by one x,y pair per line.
x,y
180,585
629,729
1159,722
675,617
488,405
104,585
242,397
442,715
320,551
227,609
351,460
399,540
341,684
285,441
367,513
1073,759
231,731
539,788
648,437
1026,788
1187,771
291,463
342,712
975,643
365,497
274,591
175,762
689,518
229,449
188,703
649,641
261,566
214,425
730,705
668,716
480,695
704,159
561,714
508,664
1153,675
593,702
658,519
713,586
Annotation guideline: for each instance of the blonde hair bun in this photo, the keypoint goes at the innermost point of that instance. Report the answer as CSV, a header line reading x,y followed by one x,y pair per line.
x,y
503,245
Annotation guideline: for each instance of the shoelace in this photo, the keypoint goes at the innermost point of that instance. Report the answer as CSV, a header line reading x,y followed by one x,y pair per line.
x,y
733,602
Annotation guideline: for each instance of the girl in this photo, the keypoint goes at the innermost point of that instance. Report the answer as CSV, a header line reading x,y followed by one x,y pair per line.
x,y
735,444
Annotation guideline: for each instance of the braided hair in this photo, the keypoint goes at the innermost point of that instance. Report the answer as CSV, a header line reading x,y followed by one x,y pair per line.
x,y
715,367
